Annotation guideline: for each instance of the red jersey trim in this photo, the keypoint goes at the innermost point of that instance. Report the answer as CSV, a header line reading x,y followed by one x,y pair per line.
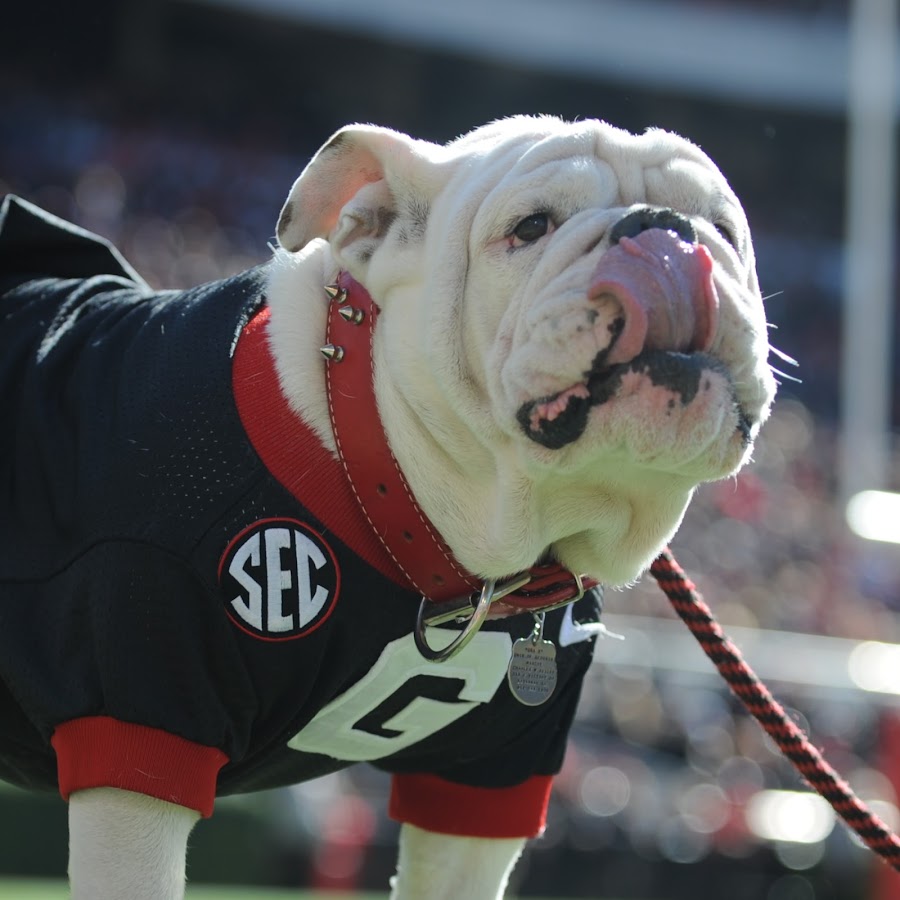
x,y
98,751
435,804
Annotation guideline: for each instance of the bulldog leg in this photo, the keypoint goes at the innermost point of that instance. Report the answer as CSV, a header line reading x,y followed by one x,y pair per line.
x,y
123,844
447,867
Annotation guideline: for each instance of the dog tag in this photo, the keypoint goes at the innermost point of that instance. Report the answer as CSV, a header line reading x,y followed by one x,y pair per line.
x,y
532,667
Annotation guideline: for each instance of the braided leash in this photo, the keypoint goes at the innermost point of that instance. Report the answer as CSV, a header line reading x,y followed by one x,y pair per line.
x,y
793,743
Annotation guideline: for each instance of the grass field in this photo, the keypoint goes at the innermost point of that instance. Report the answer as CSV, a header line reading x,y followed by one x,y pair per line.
x,y
35,889
28,889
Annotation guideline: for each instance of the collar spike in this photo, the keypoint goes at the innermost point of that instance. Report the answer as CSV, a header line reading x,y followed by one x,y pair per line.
x,y
332,352
336,292
351,314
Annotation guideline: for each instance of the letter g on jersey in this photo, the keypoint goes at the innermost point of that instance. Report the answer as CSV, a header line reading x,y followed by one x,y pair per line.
x,y
279,579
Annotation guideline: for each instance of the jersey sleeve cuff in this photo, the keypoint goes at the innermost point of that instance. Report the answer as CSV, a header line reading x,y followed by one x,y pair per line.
x,y
98,751
435,804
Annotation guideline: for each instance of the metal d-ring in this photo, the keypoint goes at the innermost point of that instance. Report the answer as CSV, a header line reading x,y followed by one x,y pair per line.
x,y
469,631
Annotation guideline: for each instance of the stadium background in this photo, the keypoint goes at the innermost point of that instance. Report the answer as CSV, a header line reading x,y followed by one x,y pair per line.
x,y
175,128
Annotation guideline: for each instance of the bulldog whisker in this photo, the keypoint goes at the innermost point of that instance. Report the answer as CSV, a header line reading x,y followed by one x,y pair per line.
x,y
785,375
783,356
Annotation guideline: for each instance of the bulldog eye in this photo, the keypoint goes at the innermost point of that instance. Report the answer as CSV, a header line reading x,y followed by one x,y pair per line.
x,y
726,233
531,229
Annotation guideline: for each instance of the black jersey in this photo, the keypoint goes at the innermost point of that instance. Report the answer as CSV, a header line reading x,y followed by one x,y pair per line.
x,y
191,603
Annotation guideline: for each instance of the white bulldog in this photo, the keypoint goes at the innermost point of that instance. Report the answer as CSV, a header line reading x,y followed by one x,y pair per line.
x,y
571,339
572,335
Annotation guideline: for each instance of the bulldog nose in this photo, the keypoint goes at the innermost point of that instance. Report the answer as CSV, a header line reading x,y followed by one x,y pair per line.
x,y
647,217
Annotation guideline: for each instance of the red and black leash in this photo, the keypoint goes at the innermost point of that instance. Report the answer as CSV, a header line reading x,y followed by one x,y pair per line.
x,y
793,743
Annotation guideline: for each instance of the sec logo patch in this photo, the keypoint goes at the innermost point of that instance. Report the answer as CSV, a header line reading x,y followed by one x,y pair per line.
x,y
280,580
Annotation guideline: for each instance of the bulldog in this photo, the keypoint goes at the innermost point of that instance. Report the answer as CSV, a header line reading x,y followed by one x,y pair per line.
x,y
349,506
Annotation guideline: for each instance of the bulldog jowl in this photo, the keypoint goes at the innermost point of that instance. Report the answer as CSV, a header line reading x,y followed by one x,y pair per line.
x,y
655,293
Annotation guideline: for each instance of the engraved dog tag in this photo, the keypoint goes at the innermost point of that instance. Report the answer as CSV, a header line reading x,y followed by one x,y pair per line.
x,y
532,668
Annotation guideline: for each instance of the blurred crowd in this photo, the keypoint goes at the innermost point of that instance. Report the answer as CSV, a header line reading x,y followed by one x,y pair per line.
x,y
771,548
180,206
658,768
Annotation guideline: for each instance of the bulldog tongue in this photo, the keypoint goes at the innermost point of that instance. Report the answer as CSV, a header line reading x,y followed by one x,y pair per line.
x,y
665,290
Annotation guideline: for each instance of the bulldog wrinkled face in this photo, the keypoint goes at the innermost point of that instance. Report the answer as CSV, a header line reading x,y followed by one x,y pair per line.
x,y
571,335
634,324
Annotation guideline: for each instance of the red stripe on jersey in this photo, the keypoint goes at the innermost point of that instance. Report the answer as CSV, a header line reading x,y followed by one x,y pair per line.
x,y
435,804
98,751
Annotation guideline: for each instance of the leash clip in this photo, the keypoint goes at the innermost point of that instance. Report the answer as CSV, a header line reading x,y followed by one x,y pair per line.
x,y
454,610
549,593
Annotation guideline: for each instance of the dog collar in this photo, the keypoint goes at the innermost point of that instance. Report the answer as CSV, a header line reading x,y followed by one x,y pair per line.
x,y
380,488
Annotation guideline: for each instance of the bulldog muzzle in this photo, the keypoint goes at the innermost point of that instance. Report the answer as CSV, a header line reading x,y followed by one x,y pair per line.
x,y
654,287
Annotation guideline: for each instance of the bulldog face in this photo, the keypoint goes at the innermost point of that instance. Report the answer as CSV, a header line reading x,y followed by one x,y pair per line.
x,y
581,319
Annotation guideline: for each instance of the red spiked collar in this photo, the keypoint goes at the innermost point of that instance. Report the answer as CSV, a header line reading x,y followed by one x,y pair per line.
x,y
381,489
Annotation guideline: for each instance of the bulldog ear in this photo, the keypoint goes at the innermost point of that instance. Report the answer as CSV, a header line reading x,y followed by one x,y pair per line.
x,y
352,180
